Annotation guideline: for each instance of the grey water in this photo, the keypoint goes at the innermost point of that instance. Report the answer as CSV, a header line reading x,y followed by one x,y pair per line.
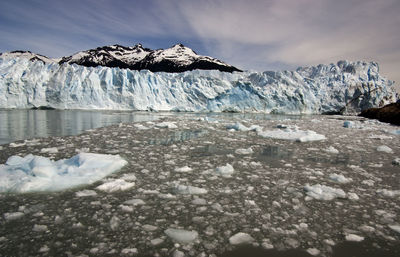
x,y
26,124
20,124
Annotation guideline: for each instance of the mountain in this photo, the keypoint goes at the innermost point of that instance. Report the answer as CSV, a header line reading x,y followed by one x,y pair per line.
x,y
334,88
27,55
178,58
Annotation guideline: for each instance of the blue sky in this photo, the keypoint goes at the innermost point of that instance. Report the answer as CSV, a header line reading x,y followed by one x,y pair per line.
x,y
258,34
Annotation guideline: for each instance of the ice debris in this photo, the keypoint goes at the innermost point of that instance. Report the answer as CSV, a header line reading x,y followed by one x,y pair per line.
x,y
181,236
241,238
188,190
293,134
225,171
322,192
37,173
116,185
354,238
384,148
339,178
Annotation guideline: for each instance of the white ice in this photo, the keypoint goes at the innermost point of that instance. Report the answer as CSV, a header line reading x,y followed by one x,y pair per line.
x,y
225,171
339,178
241,238
322,192
181,236
36,173
354,238
293,134
384,148
308,90
188,190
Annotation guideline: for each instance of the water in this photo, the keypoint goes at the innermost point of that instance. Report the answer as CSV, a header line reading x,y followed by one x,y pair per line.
x,y
265,197
25,124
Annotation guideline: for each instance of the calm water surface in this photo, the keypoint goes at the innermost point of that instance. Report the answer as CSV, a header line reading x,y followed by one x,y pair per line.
x,y
24,124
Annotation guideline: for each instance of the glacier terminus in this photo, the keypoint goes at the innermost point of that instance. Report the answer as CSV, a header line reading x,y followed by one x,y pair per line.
x,y
344,87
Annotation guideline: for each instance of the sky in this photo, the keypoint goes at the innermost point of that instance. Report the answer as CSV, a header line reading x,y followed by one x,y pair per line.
x,y
249,34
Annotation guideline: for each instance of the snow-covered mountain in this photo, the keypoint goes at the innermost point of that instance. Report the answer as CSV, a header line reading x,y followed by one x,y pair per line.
x,y
178,58
350,86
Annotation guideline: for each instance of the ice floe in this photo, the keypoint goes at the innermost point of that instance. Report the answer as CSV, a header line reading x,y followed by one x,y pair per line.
x,y
384,148
241,238
354,238
293,134
181,236
322,192
188,190
37,173
339,178
225,171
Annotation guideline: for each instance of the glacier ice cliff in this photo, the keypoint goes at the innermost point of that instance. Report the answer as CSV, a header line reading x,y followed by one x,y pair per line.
x,y
342,87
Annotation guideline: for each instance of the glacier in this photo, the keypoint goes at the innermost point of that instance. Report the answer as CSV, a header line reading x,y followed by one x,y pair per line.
x,y
344,87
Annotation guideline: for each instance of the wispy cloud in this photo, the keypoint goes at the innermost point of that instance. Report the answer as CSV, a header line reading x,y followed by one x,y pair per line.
x,y
258,34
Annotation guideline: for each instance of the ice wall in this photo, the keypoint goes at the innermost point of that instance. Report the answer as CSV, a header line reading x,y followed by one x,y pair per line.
x,y
320,89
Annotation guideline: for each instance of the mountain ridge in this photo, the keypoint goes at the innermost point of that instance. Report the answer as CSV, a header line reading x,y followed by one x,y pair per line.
x,y
177,58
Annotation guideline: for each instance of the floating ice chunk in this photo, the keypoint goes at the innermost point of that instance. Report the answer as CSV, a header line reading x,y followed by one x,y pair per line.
x,y
129,177
353,196
157,241
8,216
129,251
240,127
380,137
85,193
36,173
240,238
395,132
225,171
384,148
354,238
178,253
140,127
165,124
199,201
292,135
395,228
332,149
396,162
39,228
181,236
49,150
135,202
116,185
388,193
322,192
313,251
244,151
339,178
114,222
183,169
149,228
126,208
189,190
352,124
167,196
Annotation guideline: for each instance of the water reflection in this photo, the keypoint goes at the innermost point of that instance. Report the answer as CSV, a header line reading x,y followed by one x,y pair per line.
x,y
178,136
24,124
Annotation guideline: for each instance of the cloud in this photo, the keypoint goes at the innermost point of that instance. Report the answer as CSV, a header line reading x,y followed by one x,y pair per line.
x,y
257,34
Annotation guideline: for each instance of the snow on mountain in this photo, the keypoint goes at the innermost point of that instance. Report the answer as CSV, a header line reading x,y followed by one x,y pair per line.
x,y
27,55
345,86
178,58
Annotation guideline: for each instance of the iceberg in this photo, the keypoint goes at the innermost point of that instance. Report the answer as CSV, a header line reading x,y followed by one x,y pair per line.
x,y
335,88
36,173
